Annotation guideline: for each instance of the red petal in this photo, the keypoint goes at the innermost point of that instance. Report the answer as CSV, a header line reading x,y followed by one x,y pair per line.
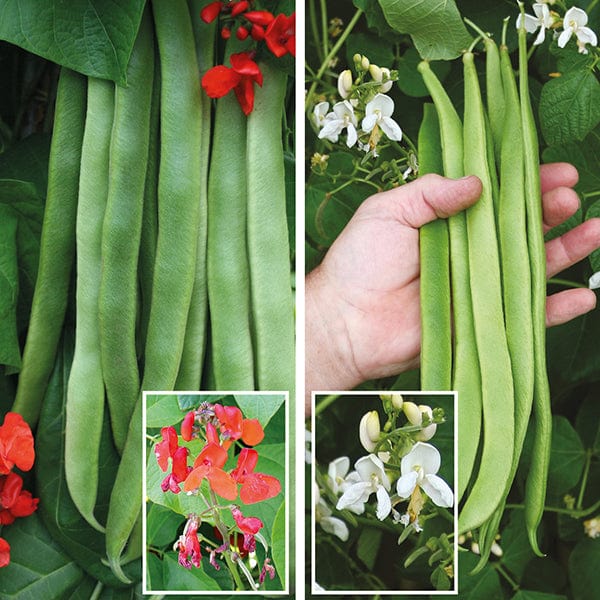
x,y
6,517
211,11
250,525
225,33
259,17
180,469
222,483
243,64
257,33
279,33
25,505
258,487
246,463
16,444
219,80
187,426
211,434
244,92
241,33
239,7
212,455
4,552
230,417
252,432
11,488
163,450
194,479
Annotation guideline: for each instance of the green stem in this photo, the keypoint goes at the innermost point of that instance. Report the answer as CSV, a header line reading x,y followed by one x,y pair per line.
x,y
97,591
478,29
566,282
505,574
445,514
331,54
584,478
324,28
376,524
234,572
328,400
591,6
576,514
314,29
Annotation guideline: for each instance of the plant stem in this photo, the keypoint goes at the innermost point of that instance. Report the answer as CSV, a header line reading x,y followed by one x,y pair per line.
x,y
505,574
97,591
566,282
575,513
376,524
324,28
584,478
314,28
234,571
591,6
331,54
319,408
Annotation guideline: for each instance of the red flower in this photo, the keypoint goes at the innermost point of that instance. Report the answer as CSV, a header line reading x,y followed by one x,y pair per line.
x,y
267,569
241,33
249,526
237,8
240,78
189,545
257,33
187,426
211,11
16,444
169,448
255,486
14,501
4,552
209,464
260,17
234,426
281,35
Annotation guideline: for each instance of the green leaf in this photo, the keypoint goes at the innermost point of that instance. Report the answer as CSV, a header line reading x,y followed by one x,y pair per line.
x,y
10,352
435,26
38,567
486,584
583,569
259,406
440,579
516,550
162,525
594,211
410,80
163,411
278,539
191,401
544,575
27,160
178,578
587,421
532,595
94,38
567,457
569,107
367,546
369,45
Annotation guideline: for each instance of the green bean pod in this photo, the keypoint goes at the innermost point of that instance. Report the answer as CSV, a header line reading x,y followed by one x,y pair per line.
x,y
228,268
466,376
57,246
179,190
486,293
268,243
121,233
192,358
85,390
535,489
434,246
494,95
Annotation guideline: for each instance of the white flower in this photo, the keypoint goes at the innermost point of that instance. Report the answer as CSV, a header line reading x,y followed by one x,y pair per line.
x,y
307,443
344,83
337,471
379,112
330,524
575,22
341,118
369,430
419,468
427,432
371,479
320,113
542,19
412,413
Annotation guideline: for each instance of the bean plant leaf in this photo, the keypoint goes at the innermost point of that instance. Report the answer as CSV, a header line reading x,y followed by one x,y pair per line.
x,y
369,45
10,353
594,258
177,578
163,411
532,595
544,574
367,546
516,550
410,80
161,525
567,457
259,406
27,160
569,107
39,567
278,541
94,37
583,569
587,421
486,584
435,26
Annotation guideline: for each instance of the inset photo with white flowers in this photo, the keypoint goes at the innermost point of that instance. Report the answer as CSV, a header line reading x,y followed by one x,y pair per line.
x,y
383,476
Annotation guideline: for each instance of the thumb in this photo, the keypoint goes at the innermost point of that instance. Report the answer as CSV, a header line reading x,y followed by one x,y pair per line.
x,y
431,197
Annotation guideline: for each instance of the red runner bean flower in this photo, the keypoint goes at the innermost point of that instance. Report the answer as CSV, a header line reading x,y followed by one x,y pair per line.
x,y
249,526
234,426
255,486
281,35
16,444
4,552
209,464
14,500
189,544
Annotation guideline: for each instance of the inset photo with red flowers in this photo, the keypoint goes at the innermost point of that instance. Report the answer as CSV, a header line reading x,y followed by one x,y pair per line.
x,y
215,516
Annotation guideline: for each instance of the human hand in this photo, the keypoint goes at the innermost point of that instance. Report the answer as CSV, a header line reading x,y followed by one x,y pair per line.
x,y
362,302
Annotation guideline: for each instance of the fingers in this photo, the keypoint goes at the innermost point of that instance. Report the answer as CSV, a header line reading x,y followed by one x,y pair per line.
x,y
567,305
559,204
573,246
555,175
431,197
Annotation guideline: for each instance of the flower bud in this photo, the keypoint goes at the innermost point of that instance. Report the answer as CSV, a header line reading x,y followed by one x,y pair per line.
x,y
357,58
397,401
376,72
412,412
369,430
428,432
386,86
344,83
365,63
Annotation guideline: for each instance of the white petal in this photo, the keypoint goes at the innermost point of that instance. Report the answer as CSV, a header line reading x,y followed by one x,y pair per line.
x,y
384,504
531,23
391,129
438,490
320,111
354,496
564,37
541,11
323,511
369,122
422,455
331,130
540,37
343,109
339,467
405,486
382,103
576,16
352,136
594,281
336,527
586,36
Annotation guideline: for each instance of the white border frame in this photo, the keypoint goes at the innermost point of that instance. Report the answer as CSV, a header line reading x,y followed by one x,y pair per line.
x,y
318,592
261,593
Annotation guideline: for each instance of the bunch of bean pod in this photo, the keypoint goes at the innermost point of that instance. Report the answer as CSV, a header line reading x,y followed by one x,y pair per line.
x,y
483,289
179,250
